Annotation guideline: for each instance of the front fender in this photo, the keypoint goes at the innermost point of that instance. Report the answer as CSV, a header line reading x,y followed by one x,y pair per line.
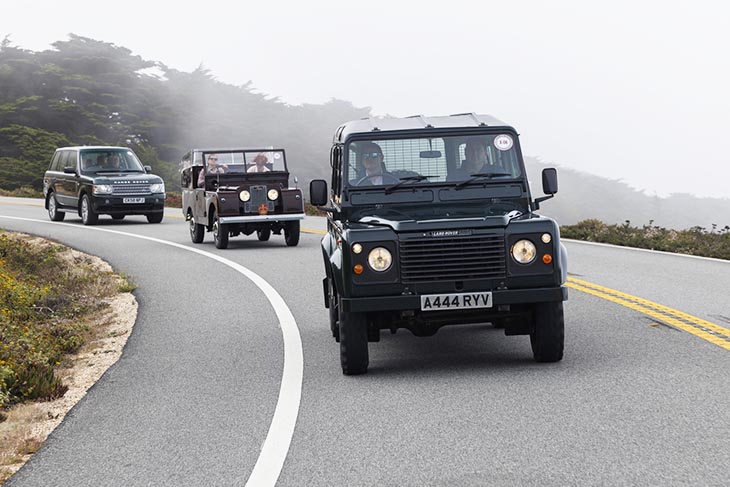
x,y
563,264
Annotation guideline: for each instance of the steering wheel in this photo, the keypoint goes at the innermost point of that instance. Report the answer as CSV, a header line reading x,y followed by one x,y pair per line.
x,y
387,179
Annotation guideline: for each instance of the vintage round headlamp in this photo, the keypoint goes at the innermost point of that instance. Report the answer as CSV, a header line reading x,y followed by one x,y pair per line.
x,y
379,259
244,196
523,251
273,194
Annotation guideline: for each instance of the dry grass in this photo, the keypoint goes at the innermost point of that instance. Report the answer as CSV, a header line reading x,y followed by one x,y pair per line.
x,y
106,324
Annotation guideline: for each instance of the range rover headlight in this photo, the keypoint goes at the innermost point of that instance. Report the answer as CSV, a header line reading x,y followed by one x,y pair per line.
x,y
102,189
244,196
524,251
272,194
157,188
379,259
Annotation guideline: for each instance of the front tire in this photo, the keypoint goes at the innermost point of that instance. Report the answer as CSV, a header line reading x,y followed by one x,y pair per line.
x,y
155,217
353,343
549,336
220,233
53,213
263,235
88,215
197,231
291,233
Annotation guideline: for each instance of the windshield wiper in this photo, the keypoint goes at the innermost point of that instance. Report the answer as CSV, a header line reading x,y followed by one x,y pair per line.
x,y
481,175
404,180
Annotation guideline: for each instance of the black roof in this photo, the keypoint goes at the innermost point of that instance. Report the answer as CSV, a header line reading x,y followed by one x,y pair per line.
x,y
415,122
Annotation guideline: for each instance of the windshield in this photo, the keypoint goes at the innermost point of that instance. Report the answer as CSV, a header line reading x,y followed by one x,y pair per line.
x,y
418,161
94,161
244,161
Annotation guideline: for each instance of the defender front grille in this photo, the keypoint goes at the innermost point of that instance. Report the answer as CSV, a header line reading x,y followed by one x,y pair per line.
x,y
452,258
127,189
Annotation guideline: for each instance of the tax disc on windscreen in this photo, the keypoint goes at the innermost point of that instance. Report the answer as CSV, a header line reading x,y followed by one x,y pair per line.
x,y
503,142
277,155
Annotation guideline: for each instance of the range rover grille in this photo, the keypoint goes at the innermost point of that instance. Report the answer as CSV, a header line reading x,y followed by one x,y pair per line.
x,y
127,189
452,258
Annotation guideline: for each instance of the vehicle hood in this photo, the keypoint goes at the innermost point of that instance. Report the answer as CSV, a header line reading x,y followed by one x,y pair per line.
x,y
409,225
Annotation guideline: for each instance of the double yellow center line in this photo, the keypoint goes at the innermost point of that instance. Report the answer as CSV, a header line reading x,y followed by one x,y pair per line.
x,y
706,330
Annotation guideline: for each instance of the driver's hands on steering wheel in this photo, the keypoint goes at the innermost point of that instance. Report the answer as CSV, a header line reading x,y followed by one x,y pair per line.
x,y
387,179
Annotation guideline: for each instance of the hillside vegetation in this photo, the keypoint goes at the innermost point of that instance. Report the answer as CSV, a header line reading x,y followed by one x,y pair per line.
x,y
85,91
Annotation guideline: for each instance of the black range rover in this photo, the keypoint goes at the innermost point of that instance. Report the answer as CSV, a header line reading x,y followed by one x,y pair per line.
x,y
95,180
431,222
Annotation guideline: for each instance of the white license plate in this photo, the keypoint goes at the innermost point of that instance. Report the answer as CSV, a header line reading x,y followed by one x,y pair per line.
x,y
440,302
133,200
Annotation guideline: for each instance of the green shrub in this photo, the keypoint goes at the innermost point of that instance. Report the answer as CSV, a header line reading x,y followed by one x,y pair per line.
x,y
693,241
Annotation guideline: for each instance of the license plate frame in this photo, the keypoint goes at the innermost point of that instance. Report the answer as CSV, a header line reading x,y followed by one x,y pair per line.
x,y
451,301
133,201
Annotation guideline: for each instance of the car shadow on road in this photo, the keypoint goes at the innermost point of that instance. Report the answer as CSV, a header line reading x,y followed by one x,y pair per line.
x,y
476,348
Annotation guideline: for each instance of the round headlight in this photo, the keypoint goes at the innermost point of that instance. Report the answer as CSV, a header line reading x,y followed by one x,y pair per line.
x,y
244,196
379,259
523,251
273,194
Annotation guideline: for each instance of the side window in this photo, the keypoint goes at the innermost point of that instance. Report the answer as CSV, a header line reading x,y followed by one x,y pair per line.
x,y
70,159
336,163
55,162
63,160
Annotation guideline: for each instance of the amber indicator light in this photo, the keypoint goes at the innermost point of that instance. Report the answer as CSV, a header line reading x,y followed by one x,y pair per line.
x,y
357,269
547,258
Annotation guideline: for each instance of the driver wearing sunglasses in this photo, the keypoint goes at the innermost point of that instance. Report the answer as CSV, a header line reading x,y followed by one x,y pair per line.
x,y
213,168
371,156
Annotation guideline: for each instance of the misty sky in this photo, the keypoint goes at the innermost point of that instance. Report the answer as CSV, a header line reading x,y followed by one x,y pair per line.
x,y
630,90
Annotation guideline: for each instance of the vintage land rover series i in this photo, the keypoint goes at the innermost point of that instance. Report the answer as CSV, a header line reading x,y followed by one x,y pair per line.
x,y
234,191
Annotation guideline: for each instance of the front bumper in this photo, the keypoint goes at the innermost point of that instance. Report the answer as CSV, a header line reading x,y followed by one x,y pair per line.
x,y
114,205
260,218
413,302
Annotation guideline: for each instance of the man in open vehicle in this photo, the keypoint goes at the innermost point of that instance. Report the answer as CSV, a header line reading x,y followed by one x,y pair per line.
x,y
231,197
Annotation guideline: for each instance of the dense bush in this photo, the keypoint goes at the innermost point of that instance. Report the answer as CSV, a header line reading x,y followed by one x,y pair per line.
x,y
44,299
693,241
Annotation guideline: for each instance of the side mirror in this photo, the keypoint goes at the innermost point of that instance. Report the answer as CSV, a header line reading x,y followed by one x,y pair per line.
x,y
550,180
69,170
549,185
148,169
318,192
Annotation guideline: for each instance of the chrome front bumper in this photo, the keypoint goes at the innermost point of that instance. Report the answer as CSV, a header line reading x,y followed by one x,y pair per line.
x,y
260,218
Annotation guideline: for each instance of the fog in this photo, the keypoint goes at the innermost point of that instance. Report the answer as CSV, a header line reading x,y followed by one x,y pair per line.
x,y
633,91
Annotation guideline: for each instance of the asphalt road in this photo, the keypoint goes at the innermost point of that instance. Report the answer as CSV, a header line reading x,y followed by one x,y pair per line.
x,y
635,401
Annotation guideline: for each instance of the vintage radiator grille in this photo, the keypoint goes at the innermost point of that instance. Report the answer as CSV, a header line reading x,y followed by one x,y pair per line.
x,y
131,189
452,258
258,198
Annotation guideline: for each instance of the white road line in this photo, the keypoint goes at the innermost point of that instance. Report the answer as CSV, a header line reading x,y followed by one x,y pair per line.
x,y
276,446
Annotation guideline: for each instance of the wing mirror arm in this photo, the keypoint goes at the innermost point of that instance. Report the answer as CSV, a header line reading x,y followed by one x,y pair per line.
x,y
549,185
